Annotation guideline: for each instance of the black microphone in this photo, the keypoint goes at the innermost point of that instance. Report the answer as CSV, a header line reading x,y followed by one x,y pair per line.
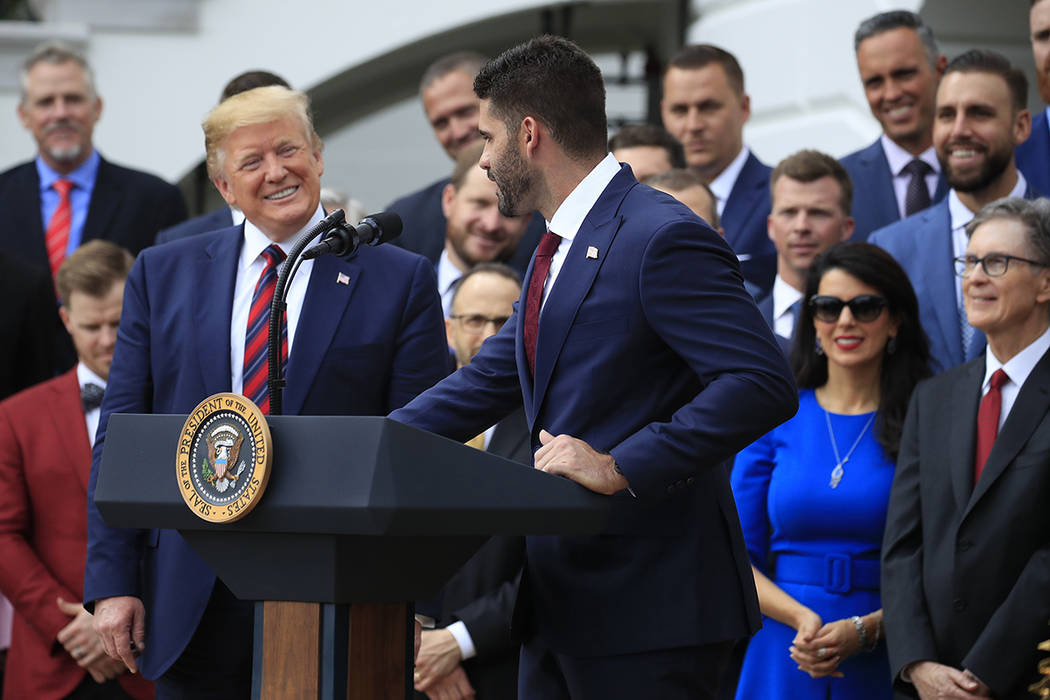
x,y
345,239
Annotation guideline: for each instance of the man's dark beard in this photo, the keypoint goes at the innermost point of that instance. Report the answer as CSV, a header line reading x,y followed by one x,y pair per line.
x,y
513,181
994,166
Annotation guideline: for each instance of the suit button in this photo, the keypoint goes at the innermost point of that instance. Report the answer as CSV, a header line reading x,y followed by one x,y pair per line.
x,y
959,605
964,545
690,481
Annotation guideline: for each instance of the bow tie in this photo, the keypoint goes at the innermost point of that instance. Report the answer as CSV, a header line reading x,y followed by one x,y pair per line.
x,y
91,397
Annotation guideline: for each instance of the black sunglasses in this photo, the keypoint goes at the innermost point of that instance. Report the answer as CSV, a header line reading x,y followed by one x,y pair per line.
x,y
863,308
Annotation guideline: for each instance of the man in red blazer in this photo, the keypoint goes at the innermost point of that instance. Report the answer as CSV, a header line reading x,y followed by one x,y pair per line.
x,y
46,433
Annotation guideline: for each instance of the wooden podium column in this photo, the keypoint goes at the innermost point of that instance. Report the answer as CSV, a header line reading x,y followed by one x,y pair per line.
x,y
313,651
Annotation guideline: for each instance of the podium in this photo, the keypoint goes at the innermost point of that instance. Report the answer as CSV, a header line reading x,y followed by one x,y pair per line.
x,y
361,516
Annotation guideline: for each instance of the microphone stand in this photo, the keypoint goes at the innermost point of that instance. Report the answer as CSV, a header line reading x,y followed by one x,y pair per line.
x,y
275,382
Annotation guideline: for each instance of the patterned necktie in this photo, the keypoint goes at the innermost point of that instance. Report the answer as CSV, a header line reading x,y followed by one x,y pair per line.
x,y
534,297
91,397
988,421
917,197
57,235
256,362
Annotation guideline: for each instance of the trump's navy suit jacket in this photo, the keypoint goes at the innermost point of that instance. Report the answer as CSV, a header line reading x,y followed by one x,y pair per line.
x,y
128,207
362,348
205,223
874,200
1033,156
648,348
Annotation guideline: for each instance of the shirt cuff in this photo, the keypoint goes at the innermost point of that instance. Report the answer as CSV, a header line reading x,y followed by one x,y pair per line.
x,y
462,637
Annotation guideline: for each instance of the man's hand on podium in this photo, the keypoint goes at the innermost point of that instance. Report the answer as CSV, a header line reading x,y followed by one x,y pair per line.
x,y
575,459
121,623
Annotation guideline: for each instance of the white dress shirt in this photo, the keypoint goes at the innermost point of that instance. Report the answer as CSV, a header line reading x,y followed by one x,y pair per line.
x,y
960,216
447,275
898,159
570,215
1017,369
86,376
784,296
722,186
249,268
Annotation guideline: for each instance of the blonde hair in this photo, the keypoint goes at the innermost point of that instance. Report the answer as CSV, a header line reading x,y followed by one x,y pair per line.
x,y
257,106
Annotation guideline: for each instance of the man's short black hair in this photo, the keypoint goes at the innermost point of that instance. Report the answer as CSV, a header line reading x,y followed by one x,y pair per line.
x,y
249,80
986,61
638,135
697,56
552,80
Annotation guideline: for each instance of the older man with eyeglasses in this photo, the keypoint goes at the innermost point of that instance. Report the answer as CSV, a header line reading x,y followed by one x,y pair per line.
x,y
966,555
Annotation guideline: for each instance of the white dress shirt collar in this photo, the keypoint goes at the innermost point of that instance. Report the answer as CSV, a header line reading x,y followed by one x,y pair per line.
x,y
784,295
1017,368
255,241
961,214
722,186
86,376
447,276
898,158
569,216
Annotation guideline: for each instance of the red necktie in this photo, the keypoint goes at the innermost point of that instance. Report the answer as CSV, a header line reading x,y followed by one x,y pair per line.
x,y
57,236
534,297
256,362
988,421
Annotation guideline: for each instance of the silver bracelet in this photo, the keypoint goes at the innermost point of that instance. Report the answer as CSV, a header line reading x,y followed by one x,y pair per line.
x,y
862,632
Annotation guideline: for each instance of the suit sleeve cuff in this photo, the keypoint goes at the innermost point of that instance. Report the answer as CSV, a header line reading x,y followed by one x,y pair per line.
x,y
462,637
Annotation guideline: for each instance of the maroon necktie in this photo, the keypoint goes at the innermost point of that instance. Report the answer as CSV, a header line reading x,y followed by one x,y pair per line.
x,y
57,235
534,297
988,421
256,359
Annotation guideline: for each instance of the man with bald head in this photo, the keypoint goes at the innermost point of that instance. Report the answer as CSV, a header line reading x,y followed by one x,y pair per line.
x,y
364,336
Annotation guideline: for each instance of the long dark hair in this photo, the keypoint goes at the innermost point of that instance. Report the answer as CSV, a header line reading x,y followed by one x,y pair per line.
x,y
903,368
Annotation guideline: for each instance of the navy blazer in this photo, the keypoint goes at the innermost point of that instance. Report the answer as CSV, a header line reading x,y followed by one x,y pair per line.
x,y
424,223
1033,156
744,222
874,200
966,569
362,348
205,223
127,207
649,348
922,244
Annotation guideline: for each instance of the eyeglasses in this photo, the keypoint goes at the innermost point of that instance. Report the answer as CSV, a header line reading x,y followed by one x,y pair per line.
x,y
863,308
994,264
475,323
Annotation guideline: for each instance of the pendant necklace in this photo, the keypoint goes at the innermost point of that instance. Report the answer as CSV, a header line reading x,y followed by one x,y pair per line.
x,y
837,472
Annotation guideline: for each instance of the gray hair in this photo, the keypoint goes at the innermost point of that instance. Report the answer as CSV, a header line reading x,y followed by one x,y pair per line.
x,y
56,52
1033,214
895,19
470,62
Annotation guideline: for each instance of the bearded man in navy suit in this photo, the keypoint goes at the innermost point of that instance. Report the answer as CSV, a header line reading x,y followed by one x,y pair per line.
x,y
643,365
365,335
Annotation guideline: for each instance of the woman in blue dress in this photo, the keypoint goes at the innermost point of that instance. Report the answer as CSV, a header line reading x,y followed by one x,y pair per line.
x,y
812,493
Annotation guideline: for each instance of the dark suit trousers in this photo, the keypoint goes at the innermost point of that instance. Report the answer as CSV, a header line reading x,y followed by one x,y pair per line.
x,y
217,663
685,673
90,690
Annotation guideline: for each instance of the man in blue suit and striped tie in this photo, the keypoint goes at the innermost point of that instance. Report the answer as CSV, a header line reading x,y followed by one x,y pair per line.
x,y
1033,156
980,119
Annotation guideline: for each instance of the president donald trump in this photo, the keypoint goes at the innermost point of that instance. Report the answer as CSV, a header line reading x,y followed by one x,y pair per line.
x,y
643,365
364,336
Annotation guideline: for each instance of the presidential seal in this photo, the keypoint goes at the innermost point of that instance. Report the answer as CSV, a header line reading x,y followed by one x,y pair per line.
x,y
223,462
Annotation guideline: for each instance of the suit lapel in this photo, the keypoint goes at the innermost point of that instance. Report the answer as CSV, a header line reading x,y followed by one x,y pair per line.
x,y
68,424
743,198
104,200
323,309
883,198
25,213
935,237
575,280
217,275
1028,411
966,396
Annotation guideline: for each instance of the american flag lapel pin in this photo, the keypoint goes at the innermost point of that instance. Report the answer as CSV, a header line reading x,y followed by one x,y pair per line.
x,y
343,278
592,253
